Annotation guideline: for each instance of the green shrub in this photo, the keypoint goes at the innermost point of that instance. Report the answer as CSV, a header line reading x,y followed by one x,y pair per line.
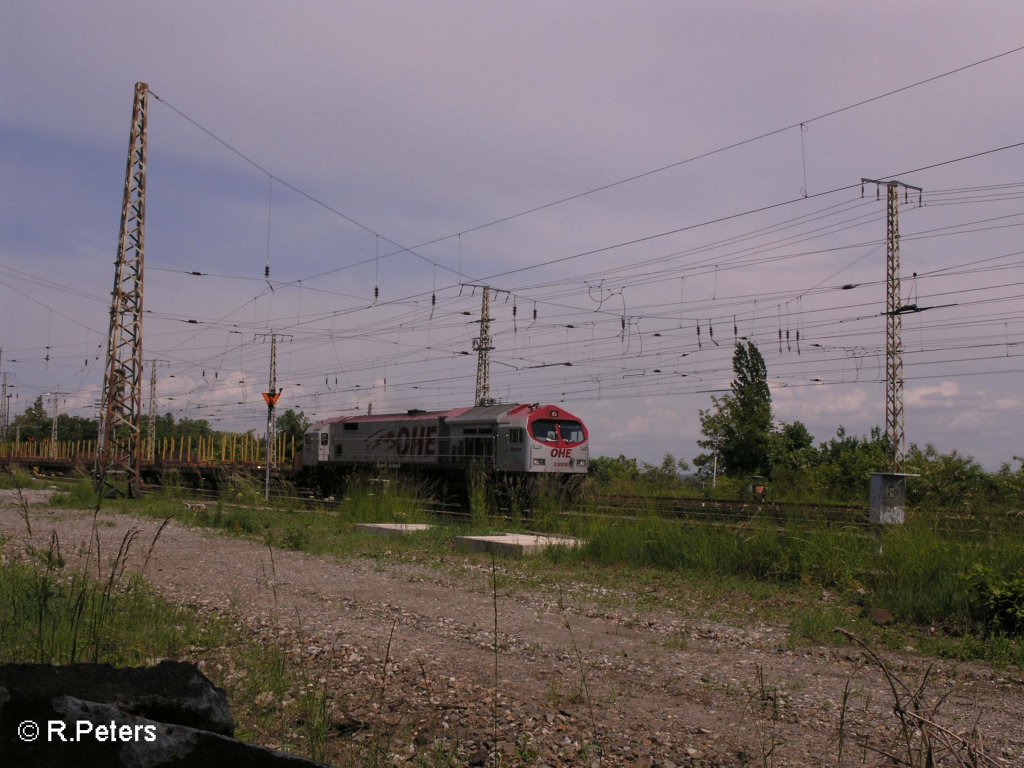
x,y
79,495
17,478
998,599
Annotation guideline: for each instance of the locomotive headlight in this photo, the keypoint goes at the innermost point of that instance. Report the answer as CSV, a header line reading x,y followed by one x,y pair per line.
x,y
581,462
539,462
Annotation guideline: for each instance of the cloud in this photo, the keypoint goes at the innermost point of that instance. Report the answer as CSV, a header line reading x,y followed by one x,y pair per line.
x,y
422,122
815,403
942,396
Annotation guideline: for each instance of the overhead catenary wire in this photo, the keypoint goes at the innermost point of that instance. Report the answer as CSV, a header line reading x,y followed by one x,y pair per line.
x,y
379,331
800,124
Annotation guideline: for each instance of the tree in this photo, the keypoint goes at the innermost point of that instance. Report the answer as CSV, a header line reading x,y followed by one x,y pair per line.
x,y
738,429
167,428
1011,483
292,424
76,428
34,424
666,475
846,463
792,449
606,470
949,480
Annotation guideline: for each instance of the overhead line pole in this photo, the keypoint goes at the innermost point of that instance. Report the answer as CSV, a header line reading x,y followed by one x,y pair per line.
x,y
151,420
53,422
119,449
482,346
271,396
894,415
4,410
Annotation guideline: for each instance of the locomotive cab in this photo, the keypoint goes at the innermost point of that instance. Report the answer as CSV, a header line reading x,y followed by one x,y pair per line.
x,y
558,442
316,445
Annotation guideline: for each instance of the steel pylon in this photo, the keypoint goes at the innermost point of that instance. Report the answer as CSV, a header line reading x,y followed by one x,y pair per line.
x,y
119,450
483,348
894,419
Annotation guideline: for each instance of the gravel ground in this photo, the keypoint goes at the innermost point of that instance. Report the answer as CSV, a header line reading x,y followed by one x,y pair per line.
x,y
578,682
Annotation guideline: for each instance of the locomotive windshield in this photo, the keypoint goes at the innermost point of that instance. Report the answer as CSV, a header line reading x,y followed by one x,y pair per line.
x,y
548,431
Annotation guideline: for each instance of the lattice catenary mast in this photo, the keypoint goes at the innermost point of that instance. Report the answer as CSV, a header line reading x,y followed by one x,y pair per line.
x,y
894,422
119,447
271,396
151,412
54,415
5,407
483,348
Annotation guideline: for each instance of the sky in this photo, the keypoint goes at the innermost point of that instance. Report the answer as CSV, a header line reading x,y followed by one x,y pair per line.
x,y
641,185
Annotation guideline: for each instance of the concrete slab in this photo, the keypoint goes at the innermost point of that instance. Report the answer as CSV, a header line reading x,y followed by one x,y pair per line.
x,y
392,529
513,543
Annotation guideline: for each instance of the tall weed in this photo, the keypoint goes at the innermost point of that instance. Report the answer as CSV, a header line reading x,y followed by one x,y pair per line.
x,y
17,477
54,614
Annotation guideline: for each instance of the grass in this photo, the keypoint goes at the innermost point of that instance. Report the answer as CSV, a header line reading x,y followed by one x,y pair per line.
x,y
808,578
47,618
815,625
16,477
923,573
60,607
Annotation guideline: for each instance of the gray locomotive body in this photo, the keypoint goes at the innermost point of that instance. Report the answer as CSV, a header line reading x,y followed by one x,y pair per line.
x,y
506,439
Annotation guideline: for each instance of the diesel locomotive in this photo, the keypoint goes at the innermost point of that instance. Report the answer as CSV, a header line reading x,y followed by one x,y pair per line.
x,y
506,441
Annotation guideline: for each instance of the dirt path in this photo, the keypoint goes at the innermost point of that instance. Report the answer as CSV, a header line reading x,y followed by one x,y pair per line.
x,y
666,689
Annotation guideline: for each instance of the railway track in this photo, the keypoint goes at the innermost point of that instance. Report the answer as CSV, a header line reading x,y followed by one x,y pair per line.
x,y
693,511
730,509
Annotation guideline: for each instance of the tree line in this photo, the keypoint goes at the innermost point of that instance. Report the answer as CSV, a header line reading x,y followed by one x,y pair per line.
x,y
743,444
36,424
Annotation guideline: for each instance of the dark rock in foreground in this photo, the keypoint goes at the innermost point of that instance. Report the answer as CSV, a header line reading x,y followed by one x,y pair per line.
x,y
85,715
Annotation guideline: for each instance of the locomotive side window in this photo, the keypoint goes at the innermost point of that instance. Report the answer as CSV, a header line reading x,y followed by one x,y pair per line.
x,y
547,431
477,441
324,437
515,436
